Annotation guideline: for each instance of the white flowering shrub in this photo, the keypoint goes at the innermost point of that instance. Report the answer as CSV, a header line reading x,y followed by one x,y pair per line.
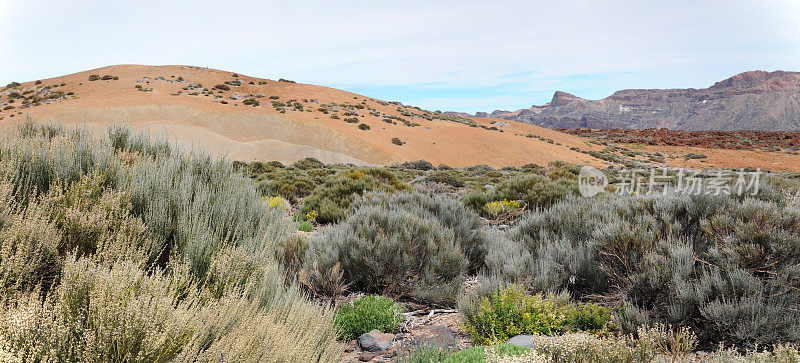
x,y
126,250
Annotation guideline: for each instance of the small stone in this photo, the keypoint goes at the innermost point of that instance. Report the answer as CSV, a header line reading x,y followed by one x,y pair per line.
x,y
521,340
375,341
366,357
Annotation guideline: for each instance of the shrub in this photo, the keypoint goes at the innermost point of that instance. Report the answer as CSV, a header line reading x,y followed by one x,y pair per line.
x,y
366,314
390,250
467,229
251,102
418,165
306,227
405,244
397,141
105,314
94,77
363,127
308,163
351,120
449,177
694,156
508,311
145,256
332,197
288,184
478,354
673,260
107,77
222,87
496,208
534,190
291,253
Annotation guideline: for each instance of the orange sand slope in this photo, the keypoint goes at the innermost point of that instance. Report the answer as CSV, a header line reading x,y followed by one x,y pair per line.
x,y
290,122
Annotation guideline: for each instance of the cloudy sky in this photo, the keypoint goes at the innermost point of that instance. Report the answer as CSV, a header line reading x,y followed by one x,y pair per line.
x,y
449,55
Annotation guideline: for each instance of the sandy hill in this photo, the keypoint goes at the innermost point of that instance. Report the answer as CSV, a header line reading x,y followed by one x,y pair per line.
x,y
248,118
754,100
251,118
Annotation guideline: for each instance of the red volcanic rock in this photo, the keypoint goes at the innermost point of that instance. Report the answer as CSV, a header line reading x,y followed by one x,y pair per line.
x,y
742,140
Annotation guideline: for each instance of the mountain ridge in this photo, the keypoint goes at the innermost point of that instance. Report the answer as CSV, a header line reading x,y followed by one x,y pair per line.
x,y
753,100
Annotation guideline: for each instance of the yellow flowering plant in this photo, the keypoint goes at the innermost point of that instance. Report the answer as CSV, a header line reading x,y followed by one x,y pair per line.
x,y
498,207
311,216
276,202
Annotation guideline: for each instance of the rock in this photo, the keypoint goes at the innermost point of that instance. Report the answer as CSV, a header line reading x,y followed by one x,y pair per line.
x,y
375,341
366,357
521,340
434,335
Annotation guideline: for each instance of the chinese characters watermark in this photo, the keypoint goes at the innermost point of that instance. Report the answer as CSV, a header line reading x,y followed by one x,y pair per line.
x,y
666,180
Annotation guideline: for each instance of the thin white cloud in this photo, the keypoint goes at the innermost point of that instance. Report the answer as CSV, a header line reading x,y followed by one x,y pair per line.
x,y
420,46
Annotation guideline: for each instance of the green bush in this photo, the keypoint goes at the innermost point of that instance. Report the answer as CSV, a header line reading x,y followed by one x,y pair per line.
x,y
418,165
363,127
397,141
534,190
509,311
94,77
308,163
332,198
366,314
449,177
306,227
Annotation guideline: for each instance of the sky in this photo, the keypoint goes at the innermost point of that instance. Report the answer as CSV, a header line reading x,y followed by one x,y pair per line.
x,y
439,55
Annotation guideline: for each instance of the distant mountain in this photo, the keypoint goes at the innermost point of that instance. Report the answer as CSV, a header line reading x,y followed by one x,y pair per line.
x,y
755,100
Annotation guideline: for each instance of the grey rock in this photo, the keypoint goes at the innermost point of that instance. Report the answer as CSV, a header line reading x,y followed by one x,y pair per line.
x,y
434,335
521,340
375,341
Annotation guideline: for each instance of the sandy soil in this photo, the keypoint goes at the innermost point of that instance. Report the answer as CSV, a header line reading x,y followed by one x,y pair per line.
x,y
242,132
262,133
